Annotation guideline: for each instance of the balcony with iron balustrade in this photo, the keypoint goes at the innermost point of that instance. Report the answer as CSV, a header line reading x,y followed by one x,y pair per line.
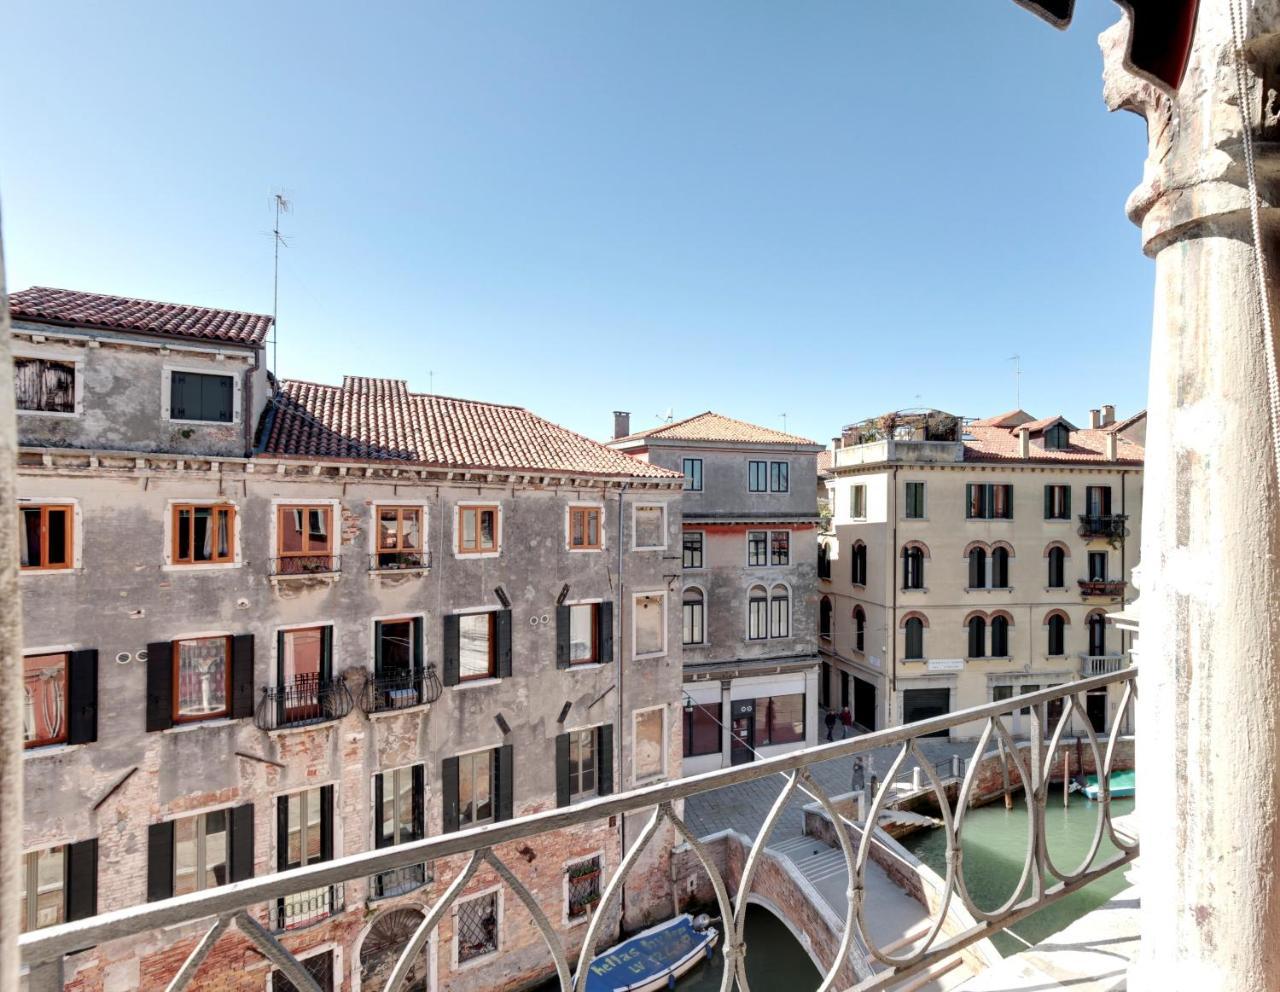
x,y
399,691
1103,526
393,562
1110,589
302,702
320,568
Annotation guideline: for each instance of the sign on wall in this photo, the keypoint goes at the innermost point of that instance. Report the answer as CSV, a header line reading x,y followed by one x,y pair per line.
x,y
946,665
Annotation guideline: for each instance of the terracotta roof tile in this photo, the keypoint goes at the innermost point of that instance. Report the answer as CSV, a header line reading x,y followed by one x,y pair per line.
x,y
70,307
711,426
1119,425
380,420
1044,423
998,444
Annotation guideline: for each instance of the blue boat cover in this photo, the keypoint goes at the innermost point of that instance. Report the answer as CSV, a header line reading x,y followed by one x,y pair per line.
x,y
646,956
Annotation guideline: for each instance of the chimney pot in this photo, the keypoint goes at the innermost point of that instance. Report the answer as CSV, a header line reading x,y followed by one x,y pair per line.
x,y
1108,414
621,424
1024,443
1095,419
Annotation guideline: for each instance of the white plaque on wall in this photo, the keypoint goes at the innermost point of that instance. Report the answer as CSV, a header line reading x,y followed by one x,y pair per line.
x,y
873,661
946,665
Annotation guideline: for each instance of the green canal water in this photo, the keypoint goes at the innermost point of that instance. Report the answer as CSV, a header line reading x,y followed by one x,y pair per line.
x,y
995,849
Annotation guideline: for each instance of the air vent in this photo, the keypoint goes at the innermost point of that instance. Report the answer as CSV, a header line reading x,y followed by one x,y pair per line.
x,y
124,657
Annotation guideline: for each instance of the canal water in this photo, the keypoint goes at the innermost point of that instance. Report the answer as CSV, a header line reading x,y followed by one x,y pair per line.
x,y
995,849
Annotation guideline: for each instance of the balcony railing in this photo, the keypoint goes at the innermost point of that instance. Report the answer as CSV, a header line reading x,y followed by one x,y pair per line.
x,y
383,693
1106,588
400,561
305,566
1108,526
1102,664
301,702
1043,880
303,909
398,881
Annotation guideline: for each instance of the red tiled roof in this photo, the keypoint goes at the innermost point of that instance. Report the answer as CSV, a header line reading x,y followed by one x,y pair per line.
x,y
998,444
1119,425
1044,423
715,427
70,307
825,457
380,420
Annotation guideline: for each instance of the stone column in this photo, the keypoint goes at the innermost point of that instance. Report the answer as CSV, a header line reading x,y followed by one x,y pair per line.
x,y
1209,686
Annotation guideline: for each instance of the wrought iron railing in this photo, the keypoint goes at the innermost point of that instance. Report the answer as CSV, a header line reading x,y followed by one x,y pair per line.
x,y
399,561
1109,526
302,701
302,566
1112,588
398,881
303,909
1042,880
383,693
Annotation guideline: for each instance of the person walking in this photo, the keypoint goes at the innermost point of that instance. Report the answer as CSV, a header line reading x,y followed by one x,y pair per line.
x,y
846,718
831,723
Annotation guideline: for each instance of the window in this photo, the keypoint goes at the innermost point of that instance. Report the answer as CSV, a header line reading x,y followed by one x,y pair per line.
x,y
999,637
914,494
475,789
201,678
58,885
779,481
304,667
1097,635
858,503
977,637
1057,502
1057,568
649,624
584,528
824,618
694,619
45,537
1057,635
779,547
977,568
477,530
318,966
1000,568
476,927
584,764
1097,566
304,836
582,888
400,539
701,729
303,539
779,612
199,396
203,534
989,502
757,545
397,649
779,720
43,385
475,646
757,477
859,556
1057,436
650,526
757,613
859,629
692,549
44,708
914,639
399,799
201,852
1097,500
650,743
824,560
583,628
693,474
912,567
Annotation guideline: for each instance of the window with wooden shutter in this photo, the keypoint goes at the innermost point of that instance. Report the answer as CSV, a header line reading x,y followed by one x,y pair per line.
x,y
82,697
201,397
159,685
46,708
44,385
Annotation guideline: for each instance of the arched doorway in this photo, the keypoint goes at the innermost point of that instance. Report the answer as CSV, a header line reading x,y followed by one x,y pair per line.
x,y
381,947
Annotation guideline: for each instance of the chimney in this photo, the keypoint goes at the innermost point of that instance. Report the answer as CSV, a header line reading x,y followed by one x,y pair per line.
x,y
1108,414
1024,443
1095,419
835,443
621,424
1109,446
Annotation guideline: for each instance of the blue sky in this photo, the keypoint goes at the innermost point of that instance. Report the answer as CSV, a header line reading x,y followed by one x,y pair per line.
x,y
822,208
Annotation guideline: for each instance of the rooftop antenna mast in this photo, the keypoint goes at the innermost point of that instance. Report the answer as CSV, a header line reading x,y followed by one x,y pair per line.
x,y
1017,379
282,207
784,423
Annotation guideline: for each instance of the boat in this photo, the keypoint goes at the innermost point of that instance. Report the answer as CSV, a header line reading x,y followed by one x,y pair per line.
x,y
654,958
1122,785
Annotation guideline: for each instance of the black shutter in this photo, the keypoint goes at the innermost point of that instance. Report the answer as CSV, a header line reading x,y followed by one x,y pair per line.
x,y
282,833
604,617
449,788
562,637
1066,502
562,769
159,686
451,633
377,648
380,839
968,500
604,759
242,842
504,777
242,676
160,861
419,801
419,654
82,880
1048,502
502,629
326,653
178,395
225,393
326,823
82,697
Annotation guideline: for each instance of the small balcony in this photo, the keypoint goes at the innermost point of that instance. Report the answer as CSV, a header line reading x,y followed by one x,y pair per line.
x,y
386,693
1106,526
398,881
303,909
1102,588
1102,664
400,561
302,702
305,567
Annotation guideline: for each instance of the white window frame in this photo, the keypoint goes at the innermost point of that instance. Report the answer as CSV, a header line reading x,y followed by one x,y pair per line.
x,y
311,952
53,353
237,553
32,896
594,728
636,776
568,526
415,504
456,536
691,587
200,842
853,501
493,792
635,533
213,368
77,531
662,595
566,920
746,632
482,959
790,610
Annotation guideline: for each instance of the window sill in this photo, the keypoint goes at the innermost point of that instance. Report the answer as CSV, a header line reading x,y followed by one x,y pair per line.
x,y
587,666
301,578
581,551
189,725
203,567
394,572
204,423
48,751
301,728
383,714
77,570
476,684
472,555
648,655
655,547
921,589
50,413
992,657
1008,589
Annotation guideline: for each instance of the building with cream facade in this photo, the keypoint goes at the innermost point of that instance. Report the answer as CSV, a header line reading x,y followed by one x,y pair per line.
x,y
968,562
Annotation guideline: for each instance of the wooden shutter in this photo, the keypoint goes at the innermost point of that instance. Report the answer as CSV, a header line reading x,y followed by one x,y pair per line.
x,y
419,801
326,823
160,861
1066,502
159,686
604,617
82,697
502,631
178,395
282,833
242,842
604,759
326,653
82,880
1048,502
562,770
242,676
451,664
968,500
449,787
225,392
562,637
380,838
504,776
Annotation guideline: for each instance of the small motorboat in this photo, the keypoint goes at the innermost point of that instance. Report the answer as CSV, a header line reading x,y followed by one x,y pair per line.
x,y
655,958
1122,785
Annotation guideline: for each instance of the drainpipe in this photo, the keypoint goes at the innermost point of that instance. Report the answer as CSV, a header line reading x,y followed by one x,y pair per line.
x,y
891,642
620,650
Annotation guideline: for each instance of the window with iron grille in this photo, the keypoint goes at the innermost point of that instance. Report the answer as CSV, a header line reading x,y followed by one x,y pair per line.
x,y
757,547
583,888
476,929
45,386
692,549
318,966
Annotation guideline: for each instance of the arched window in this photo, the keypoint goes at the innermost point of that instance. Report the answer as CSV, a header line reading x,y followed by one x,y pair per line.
x,y
912,567
824,618
977,637
1057,568
999,637
694,616
859,629
757,613
381,949
1057,634
859,557
1097,635
779,612
977,568
1000,568
914,638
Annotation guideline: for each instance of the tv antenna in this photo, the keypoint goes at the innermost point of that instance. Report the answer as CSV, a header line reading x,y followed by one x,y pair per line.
x,y
282,207
1017,379
784,423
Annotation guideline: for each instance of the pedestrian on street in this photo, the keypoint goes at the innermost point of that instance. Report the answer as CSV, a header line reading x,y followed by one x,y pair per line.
x,y
847,719
831,723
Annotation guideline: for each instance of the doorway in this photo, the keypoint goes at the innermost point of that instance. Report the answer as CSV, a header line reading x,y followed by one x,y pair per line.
x,y
1095,708
864,704
921,704
742,731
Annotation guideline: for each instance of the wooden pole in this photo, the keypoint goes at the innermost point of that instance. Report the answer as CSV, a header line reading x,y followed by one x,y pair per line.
x,y
1066,777
1004,775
